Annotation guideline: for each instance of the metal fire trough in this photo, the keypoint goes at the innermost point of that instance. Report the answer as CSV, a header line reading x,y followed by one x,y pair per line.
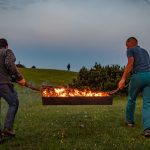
x,y
49,98
78,100
75,100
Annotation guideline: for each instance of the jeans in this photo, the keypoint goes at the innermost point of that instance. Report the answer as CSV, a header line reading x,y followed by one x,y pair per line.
x,y
10,95
140,82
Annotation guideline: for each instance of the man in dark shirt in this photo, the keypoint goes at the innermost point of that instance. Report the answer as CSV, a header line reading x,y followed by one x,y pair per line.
x,y
139,65
7,70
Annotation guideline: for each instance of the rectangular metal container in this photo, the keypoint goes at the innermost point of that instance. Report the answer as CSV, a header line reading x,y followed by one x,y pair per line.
x,y
78,100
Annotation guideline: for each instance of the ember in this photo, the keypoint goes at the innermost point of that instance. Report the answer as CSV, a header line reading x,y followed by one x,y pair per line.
x,y
70,92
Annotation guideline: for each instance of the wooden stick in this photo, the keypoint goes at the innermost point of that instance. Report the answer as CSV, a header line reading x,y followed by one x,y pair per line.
x,y
32,87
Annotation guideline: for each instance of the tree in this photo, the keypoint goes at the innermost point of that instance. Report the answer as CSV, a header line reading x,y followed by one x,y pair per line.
x,y
103,78
19,65
33,67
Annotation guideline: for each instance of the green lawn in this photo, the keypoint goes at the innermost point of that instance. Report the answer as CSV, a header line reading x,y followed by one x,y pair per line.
x,y
88,127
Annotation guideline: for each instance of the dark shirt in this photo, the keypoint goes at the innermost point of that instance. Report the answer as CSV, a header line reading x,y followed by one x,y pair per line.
x,y
8,67
141,59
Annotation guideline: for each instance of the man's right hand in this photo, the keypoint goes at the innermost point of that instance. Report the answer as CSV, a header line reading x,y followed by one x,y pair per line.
x,y
121,84
22,82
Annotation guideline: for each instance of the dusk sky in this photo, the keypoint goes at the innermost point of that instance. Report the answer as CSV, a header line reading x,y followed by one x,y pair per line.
x,y
52,33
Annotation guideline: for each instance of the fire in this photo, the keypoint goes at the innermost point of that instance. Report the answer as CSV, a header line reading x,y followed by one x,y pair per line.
x,y
69,92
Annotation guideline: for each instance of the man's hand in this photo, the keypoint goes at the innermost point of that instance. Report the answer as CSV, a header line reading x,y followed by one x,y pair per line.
x,y
22,82
121,84
128,69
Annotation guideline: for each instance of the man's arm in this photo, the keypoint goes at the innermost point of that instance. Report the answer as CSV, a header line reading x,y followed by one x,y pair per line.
x,y
127,71
11,67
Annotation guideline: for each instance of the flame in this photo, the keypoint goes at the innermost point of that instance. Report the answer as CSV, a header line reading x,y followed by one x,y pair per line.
x,y
68,92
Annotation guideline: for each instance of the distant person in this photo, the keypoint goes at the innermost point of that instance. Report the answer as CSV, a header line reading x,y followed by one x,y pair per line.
x,y
139,65
68,67
7,91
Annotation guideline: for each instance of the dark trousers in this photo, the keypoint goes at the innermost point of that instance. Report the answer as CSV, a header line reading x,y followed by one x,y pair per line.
x,y
8,93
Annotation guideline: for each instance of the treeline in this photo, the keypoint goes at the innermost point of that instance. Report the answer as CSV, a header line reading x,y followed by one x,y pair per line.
x,y
103,78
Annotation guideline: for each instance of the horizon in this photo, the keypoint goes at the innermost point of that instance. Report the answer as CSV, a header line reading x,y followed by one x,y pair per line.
x,y
65,69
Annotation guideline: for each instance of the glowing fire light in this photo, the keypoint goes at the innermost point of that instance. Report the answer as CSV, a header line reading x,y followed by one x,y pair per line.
x,y
69,92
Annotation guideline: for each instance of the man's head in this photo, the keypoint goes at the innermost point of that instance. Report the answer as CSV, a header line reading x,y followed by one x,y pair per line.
x,y
3,43
131,42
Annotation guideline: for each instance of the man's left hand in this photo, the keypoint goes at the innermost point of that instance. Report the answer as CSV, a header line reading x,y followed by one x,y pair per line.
x,y
22,82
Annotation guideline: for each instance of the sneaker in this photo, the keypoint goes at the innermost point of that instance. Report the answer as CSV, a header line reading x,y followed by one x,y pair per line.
x,y
129,124
1,140
8,133
147,133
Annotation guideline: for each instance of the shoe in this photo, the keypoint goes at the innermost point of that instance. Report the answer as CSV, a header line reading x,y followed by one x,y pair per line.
x,y
8,133
129,124
147,133
1,140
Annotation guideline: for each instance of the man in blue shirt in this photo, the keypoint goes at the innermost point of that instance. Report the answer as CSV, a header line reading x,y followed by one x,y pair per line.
x,y
139,65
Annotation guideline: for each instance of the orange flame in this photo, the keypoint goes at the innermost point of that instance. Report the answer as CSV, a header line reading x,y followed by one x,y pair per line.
x,y
68,92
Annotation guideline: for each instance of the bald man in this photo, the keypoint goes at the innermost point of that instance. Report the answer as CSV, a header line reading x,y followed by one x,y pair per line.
x,y
139,65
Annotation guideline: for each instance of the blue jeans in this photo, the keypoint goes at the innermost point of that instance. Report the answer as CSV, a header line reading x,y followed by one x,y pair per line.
x,y
140,82
10,95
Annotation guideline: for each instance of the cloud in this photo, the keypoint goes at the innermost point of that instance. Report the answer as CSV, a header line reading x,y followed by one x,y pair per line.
x,y
19,4
147,1
16,4
9,4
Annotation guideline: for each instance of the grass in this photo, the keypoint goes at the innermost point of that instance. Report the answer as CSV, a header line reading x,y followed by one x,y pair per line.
x,y
88,127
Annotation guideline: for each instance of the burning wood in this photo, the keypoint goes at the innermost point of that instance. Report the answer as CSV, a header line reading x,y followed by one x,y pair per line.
x,y
70,92
70,96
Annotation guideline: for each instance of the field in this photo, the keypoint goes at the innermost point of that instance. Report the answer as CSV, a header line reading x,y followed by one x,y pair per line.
x,y
41,127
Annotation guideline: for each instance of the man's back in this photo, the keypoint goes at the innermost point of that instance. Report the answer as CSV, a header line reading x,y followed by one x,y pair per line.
x,y
4,75
141,59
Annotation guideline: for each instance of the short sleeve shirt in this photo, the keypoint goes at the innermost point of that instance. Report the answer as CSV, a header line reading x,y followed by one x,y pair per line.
x,y
141,59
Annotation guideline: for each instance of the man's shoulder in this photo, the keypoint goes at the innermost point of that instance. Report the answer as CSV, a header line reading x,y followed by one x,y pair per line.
x,y
134,48
5,50
9,51
10,55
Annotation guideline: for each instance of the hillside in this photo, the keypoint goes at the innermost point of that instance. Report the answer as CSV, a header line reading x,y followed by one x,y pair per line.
x,y
48,76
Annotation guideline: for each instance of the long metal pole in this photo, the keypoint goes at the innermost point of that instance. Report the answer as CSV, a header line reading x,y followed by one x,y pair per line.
x,y
0,117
